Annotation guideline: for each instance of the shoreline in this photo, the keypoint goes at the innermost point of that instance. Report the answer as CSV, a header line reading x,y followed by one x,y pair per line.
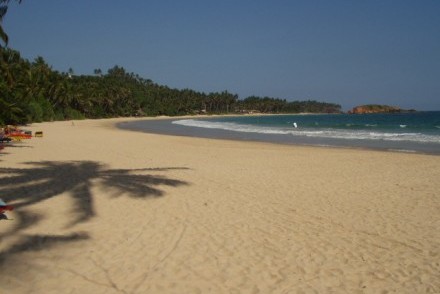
x,y
164,126
102,210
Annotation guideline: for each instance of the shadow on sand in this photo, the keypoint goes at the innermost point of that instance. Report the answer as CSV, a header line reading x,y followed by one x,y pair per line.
x,y
25,187
8,145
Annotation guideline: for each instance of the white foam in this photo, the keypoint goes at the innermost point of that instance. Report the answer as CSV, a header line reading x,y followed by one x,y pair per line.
x,y
318,133
403,150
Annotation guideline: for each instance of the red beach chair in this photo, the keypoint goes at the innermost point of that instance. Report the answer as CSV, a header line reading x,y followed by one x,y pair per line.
x,y
6,208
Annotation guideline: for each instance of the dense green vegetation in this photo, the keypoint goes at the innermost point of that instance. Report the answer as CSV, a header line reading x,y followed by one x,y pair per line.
x,y
34,92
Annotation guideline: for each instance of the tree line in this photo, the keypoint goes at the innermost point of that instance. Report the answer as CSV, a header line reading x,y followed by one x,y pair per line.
x,y
31,91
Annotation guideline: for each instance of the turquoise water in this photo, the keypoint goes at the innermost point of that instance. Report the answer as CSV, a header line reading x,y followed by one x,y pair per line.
x,y
418,131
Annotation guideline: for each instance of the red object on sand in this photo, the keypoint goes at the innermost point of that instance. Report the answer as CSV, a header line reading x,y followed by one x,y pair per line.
x,y
20,135
5,208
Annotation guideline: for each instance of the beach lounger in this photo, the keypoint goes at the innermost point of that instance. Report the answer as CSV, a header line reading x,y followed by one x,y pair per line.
x,y
4,138
4,207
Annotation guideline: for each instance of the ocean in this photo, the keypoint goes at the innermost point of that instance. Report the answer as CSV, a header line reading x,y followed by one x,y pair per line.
x,y
415,132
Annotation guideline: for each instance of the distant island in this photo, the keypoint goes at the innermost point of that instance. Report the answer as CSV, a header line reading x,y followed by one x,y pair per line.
x,y
377,108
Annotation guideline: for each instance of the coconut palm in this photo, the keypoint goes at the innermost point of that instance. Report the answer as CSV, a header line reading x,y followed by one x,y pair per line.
x,y
3,10
13,73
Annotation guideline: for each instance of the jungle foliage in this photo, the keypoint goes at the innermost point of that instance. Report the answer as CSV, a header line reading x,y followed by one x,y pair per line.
x,y
31,91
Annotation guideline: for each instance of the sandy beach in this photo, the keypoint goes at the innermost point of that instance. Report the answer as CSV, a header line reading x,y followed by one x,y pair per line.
x,y
104,210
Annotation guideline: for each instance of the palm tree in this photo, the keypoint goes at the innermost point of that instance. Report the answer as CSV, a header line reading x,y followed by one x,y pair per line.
x,y
9,60
13,74
3,10
97,72
9,112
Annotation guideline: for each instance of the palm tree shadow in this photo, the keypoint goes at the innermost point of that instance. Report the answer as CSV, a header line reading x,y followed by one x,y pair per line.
x,y
39,242
24,187
47,179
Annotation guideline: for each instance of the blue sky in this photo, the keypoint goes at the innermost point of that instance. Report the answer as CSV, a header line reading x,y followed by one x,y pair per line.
x,y
349,52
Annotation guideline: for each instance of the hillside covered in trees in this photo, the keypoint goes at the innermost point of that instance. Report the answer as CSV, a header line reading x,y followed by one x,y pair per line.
x,y
34,92
377,108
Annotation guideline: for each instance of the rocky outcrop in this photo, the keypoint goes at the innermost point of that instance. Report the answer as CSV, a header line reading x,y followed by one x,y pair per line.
x,y
375,108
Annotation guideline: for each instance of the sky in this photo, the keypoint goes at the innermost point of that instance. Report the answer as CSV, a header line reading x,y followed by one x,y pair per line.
x,y
349,52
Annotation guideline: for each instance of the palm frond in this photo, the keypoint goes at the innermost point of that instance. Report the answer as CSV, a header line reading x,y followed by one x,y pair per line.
x,y
3,10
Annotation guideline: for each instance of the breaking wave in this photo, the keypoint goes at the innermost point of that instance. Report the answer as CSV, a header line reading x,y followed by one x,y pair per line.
x,y
347,134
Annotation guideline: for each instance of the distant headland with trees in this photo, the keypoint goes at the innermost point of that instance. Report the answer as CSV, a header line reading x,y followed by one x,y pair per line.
x,y
377,108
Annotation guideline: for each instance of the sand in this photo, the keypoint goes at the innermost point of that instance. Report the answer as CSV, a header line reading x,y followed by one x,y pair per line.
x,y
103,210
